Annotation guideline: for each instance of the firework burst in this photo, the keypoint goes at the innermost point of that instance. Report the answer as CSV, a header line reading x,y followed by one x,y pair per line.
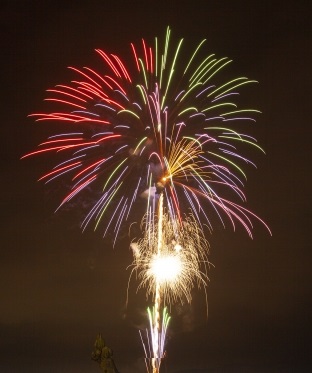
x,y
153,124
164,127
169,261
175,265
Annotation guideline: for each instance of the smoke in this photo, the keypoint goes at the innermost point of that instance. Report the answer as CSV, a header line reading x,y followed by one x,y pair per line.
x,y
149,193
185,316
136,318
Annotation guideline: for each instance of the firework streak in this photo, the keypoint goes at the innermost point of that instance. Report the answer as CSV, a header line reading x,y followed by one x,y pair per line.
x,y
159,124
163,127
169,261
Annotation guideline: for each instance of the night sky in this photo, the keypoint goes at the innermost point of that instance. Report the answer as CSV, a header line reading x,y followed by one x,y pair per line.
x,y
60,287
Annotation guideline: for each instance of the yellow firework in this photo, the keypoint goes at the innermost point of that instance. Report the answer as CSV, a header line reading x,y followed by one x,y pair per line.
x,y
183,158
171,257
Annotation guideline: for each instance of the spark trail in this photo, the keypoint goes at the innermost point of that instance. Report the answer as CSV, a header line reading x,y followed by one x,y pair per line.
x,y
165,127
153,122
169,261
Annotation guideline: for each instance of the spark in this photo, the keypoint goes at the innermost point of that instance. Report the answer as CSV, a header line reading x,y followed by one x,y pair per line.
x,y
177,264
152,115
169,260
148,129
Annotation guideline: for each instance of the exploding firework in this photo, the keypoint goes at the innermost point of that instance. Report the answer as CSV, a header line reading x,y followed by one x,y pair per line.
x,y
157,123
176,264
154,343
164,127
169,261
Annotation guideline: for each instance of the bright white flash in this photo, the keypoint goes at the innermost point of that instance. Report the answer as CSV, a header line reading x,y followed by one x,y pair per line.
x,y
166,268
174,264
178,248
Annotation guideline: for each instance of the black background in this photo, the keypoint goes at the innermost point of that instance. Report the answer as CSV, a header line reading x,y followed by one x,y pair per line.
x,y
59,287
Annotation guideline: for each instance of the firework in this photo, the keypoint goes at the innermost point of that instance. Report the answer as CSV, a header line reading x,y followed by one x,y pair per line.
x,y
155,123
171,257
169,261
154,343
162,127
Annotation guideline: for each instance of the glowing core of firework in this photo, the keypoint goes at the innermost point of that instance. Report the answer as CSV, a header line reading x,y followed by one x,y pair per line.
x,y
171,257
166,268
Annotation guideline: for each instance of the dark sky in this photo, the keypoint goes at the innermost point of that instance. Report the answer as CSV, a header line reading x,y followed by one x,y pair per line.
x,y
59,287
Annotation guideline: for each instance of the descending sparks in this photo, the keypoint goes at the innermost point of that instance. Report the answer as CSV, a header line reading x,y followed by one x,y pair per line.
x,y
153,122
177,264
156,128
169,261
